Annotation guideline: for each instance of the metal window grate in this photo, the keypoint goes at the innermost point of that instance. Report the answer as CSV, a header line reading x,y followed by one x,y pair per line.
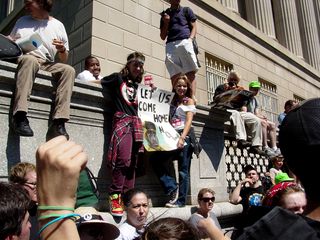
x,y
216,72
268,99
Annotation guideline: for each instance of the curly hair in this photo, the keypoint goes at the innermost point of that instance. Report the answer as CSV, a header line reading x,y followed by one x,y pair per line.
x,y
131,57
18,172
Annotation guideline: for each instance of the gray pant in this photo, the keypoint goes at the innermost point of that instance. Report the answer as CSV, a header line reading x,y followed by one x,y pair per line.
x,y
64,74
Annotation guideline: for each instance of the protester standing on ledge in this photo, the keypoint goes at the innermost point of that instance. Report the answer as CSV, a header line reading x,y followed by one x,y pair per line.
x,y
92,70
182,110
127,132
55,45
178,26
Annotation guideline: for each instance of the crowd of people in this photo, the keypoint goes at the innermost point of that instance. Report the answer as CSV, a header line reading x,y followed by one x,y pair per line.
x,y
35,192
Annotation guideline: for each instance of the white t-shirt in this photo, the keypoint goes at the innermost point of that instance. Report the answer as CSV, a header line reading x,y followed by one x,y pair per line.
x,y
128,232
180,115
87,76
48,29
196,218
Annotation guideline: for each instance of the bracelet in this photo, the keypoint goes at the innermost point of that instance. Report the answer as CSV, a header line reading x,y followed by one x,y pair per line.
x,y
43,207
49,216
70,215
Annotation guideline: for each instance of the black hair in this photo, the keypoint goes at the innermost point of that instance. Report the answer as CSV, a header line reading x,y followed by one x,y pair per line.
x,y
149,125
87,61
14,204
128,195
46,4
248,168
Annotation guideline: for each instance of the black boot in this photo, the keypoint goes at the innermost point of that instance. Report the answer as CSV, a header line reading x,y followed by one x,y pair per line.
x,y
56,129
256,150
243,144
20,124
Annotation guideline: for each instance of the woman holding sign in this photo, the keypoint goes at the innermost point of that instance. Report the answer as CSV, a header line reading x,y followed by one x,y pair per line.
x,y
127,133
181,111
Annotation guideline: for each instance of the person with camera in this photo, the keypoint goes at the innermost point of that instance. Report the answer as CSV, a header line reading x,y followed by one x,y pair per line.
x,y
246,123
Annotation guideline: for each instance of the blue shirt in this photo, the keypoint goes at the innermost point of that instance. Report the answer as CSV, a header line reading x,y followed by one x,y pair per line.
x,y
179,28
281,117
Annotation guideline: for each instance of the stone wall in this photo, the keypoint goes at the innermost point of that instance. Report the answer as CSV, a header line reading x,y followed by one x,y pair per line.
x,y
90,124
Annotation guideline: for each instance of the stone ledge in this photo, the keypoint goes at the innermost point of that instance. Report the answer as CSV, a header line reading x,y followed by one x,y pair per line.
x,y
222,210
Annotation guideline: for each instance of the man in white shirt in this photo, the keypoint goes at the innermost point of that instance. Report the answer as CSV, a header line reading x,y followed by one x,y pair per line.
x,y
54,46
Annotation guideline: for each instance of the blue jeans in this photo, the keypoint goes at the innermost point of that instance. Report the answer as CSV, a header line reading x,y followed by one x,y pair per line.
x,y
162,165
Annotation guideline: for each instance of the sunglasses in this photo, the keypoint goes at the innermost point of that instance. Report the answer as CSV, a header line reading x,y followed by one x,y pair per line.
x,y
207,199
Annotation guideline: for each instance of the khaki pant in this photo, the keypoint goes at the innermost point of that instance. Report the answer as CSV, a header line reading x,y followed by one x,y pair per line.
x,y
64,74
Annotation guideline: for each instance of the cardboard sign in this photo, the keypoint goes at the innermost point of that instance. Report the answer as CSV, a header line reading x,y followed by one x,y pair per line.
x,y
153,109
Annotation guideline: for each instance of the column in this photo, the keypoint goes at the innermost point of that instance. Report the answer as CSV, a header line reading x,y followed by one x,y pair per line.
x,y
309,34
316,4
231,4
259,14
287,25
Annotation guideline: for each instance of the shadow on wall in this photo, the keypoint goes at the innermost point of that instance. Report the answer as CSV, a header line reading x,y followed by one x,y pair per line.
x,y
212,137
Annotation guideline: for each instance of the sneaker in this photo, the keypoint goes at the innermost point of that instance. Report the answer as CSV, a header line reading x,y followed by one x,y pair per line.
x,y
56,129
256,150
115,204
277,152
21,127
174,196
174,205
269,152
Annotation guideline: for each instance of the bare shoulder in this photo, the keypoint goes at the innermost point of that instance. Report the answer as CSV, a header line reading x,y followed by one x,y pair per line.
x,y
190,102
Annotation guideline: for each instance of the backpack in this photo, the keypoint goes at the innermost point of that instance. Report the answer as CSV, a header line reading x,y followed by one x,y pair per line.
x,y
87,191
194,41
8,48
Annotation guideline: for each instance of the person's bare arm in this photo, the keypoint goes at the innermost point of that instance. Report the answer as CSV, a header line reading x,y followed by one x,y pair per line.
x,y
211,229
193,30
61,49
165,27
235,197
59,163
187,125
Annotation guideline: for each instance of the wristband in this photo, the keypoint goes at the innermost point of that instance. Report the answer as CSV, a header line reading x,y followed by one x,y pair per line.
x,y
65,216
42,217
44,207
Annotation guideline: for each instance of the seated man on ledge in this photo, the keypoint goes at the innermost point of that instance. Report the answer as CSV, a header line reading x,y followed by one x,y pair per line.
x,y
54,46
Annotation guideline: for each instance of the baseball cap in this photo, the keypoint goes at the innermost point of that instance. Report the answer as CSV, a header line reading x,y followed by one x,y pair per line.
x,y
283,177
91,225
248,168
254,84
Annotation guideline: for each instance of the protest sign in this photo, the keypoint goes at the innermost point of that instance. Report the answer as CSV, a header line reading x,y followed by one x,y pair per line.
x,y
153,109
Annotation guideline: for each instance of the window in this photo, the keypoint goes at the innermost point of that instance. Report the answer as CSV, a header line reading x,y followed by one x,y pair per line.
x,y
216,72
297,98
268,100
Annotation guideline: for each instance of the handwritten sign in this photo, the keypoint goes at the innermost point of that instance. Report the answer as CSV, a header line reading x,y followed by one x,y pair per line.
x,y
153,109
